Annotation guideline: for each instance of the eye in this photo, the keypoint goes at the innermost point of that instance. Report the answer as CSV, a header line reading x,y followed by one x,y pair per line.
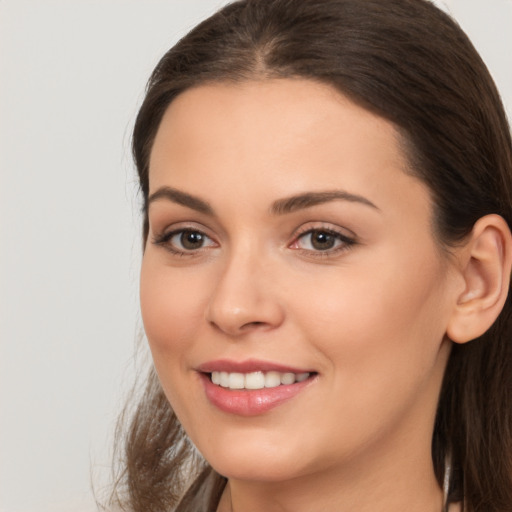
x,y
189,240
319,240
184,241
322,240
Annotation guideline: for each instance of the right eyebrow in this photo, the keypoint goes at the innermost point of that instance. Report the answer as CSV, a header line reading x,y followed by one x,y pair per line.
x,y
182,198
309,199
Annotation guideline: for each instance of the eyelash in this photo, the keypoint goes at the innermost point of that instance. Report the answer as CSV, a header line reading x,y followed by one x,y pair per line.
x,y
344,242
165,239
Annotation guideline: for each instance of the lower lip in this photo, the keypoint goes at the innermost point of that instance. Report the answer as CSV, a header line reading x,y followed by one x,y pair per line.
x,y
250,402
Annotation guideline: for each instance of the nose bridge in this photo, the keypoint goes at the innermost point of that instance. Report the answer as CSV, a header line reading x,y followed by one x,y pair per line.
x,y
243,299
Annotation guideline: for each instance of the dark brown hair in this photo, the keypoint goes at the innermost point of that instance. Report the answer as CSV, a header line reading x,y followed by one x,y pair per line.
x,y
410,63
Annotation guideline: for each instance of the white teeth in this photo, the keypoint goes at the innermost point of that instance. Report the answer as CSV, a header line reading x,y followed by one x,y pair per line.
x,y
236,381
224,379
256,380
272,379
302,376
287,378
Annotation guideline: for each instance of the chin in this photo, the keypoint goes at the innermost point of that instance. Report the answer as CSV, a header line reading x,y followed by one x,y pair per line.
x,y
255,471
255,461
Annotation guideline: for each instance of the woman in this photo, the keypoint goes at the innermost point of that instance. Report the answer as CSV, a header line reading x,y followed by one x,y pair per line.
x,y
327,253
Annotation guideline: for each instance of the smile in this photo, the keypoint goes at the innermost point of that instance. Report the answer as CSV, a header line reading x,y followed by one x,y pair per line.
x,y
256,380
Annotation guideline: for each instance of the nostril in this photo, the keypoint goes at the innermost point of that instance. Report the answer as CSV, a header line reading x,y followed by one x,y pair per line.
x,y
248,325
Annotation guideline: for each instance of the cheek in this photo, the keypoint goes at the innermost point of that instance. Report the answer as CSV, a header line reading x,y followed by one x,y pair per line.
x,y
171,306
379,336
381,316
171,309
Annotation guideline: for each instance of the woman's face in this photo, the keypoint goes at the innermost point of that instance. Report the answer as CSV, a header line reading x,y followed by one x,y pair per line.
x,y
289,248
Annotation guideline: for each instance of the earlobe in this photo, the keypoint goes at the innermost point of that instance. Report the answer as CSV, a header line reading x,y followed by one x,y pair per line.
x,y
486,269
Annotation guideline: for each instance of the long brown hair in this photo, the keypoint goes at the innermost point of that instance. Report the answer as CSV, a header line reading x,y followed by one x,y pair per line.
x,y
410,63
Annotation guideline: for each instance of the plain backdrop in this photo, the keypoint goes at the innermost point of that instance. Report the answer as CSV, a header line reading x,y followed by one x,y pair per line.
x,y
72,74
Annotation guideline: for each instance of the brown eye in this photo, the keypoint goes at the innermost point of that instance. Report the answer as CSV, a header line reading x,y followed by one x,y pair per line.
x,y
191,240
322,240
319,240
185,241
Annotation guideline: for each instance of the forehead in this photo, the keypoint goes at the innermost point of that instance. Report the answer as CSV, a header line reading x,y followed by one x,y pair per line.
x,y
275,114
282,136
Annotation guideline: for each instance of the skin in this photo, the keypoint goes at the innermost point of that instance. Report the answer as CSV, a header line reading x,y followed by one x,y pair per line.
x,y
369,317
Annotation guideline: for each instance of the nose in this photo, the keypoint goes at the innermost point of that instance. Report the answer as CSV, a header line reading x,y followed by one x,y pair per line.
x,y
244,298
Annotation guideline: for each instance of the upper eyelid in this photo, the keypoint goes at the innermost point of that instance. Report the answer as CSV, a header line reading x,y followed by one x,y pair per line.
x,y
164,240
169,233
176,226
346,236
306,227
343,237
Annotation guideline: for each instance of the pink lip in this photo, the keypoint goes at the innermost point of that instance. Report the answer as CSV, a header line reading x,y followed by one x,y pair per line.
x,y
247,366
249,402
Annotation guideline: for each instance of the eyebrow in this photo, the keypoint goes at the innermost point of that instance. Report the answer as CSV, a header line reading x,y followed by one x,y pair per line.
x,y
309,199
279,207
176,196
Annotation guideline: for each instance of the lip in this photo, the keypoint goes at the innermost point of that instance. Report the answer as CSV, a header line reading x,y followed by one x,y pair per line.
x,y
248,366
250,402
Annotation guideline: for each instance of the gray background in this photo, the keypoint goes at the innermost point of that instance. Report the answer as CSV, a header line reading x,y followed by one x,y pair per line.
x,y
72,74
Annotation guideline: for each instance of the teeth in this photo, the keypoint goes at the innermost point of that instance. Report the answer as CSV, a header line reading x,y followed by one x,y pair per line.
x,y
302,376
287,378
236,381
224,379
256,380
272,379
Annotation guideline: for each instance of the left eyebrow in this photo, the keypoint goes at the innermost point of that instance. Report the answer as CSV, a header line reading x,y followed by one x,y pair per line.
x,y
309,199
179,197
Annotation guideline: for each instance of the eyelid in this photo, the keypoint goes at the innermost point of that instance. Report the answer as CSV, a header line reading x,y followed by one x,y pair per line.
x,y
324,226
348,240
164,238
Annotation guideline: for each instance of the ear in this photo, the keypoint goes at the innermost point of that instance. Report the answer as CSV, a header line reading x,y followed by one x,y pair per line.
x,y
485,266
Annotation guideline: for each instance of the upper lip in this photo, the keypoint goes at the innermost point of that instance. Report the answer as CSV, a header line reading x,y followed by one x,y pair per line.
x,y
247,366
